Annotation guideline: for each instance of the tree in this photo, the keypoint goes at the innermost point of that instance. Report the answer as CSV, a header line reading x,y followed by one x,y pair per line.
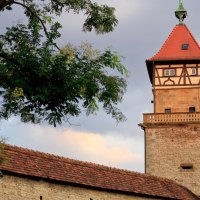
x,y
43,82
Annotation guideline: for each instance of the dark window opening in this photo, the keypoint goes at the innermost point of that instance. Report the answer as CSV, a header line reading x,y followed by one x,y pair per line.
x,y
192,109
167,110
41,198
187,166
185,46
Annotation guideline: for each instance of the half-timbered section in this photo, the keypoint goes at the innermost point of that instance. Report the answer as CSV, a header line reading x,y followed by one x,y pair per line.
x,y
176,75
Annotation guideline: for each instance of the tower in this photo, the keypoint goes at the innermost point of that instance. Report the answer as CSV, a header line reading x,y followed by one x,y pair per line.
x,y
172,132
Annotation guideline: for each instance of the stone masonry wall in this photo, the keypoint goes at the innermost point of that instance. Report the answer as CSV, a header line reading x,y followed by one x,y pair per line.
x,y
15,188
179,100
168,147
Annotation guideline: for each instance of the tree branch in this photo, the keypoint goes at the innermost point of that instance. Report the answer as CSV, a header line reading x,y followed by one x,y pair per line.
x,y
4,3
41,21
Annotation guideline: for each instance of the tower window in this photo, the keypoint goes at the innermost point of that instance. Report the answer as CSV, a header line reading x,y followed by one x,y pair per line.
x,y
194,71
186,166
192,109
167,110
185,46
169,72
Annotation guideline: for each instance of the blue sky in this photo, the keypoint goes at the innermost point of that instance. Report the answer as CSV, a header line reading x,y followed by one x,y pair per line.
x,y
143,27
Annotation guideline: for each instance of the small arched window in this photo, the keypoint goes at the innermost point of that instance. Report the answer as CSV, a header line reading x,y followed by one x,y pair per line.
x,y
192,109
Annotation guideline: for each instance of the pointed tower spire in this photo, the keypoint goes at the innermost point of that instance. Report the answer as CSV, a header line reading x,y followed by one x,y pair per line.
x,y
181,13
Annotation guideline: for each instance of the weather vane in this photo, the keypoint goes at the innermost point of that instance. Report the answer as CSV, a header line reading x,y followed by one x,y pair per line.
x,y
181,13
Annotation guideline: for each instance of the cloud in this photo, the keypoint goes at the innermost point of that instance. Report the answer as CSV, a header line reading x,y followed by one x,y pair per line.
x,y
127,9
108,149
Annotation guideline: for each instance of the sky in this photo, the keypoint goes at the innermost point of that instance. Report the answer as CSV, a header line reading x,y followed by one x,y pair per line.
x,y
143,27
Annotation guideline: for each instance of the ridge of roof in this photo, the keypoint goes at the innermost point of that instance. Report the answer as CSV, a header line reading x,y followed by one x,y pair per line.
x,y
70,160
171,49
22,161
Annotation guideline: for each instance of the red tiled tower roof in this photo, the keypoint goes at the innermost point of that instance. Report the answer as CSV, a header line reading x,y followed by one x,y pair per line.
x,y
33,164
172,48
172,52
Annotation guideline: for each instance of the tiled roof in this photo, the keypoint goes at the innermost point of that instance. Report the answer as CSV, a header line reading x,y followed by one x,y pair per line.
x,y
21,161
171,50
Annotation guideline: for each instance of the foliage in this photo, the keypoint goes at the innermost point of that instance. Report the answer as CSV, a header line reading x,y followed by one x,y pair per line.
x,y
41,81
2,156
